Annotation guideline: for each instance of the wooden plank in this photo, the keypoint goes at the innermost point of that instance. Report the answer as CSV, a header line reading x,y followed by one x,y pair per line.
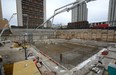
x,y
8,69
104,31
110,38
110,31
26,67
94,36
104,37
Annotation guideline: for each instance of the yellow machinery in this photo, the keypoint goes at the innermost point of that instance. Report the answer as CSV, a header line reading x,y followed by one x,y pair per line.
x,y
3,27
3,24
16,45
26,67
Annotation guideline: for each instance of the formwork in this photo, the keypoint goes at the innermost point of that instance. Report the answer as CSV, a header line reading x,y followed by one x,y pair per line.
x,y
8,69
104,35
110,35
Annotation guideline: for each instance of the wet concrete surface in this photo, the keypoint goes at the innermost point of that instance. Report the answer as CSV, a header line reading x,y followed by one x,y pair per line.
x,y
72,53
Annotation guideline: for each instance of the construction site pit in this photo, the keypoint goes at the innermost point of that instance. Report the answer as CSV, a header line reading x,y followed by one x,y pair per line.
x,y
67,52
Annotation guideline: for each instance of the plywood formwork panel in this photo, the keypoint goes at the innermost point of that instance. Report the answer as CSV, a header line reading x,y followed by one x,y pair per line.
x,y
76,34
93,36
93,30
8,69
89,36
114,36
104,37
110,37
99,30
104,31
98,36
26,67
81,35
110,32
85,34
89,30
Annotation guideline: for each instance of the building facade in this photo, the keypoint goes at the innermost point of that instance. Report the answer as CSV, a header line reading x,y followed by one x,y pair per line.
x,y
112,12
31,13
0,11
80,13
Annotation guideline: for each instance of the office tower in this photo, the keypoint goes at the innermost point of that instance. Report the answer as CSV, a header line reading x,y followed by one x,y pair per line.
x,y
112,12
79,13
31,13
0,11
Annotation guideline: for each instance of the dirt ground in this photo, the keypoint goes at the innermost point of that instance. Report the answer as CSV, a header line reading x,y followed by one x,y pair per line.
x,y
72,53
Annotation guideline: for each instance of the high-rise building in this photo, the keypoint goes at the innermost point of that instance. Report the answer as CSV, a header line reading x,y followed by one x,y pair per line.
x,y
31,13
112,12
0,11
80,12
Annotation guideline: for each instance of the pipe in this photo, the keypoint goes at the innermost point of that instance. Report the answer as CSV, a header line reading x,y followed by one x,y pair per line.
x,y
63,10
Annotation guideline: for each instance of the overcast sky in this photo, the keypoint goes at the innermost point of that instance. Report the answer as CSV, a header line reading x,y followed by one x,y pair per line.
x,y
97,10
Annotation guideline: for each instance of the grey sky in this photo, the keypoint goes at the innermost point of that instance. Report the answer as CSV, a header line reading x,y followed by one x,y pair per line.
x,y
97,10
9,7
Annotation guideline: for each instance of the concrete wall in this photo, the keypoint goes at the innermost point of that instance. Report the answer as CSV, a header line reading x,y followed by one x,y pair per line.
x,y
85,34
88,34
39,34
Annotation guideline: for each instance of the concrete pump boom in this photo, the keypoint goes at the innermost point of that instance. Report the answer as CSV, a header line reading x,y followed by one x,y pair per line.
x,y
63,9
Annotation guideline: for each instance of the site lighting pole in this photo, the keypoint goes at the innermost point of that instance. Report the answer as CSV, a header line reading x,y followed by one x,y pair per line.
x,y
27,23
26,34
25,48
